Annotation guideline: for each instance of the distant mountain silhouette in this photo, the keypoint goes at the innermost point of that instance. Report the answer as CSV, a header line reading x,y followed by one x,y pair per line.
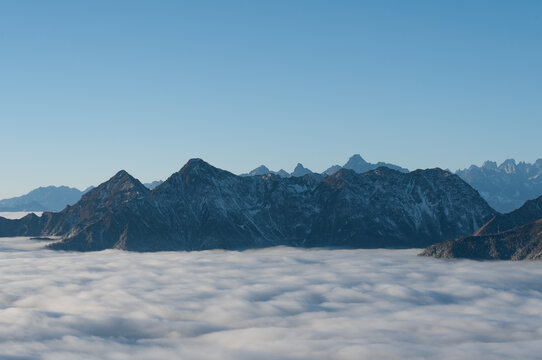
x,y
355,163
507,186
360,166
50,198
153,184
300,170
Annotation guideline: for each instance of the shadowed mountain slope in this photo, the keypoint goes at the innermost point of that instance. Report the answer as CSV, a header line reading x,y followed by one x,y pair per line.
x,y
513,236
202,207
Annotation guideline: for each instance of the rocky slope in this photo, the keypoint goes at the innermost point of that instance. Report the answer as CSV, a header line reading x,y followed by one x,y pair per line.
x,y
528,213
520,243
202,207
93,205
513,236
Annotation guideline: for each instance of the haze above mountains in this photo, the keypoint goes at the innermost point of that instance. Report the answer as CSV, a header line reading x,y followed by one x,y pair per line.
x,y
505,187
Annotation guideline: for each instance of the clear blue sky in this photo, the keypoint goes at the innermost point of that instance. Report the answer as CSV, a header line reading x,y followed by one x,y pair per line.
x,y
91,87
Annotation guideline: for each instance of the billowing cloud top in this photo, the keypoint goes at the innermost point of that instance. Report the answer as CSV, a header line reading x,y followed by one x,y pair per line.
x,y
278,303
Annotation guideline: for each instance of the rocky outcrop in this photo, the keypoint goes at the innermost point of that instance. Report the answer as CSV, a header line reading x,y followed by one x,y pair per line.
x,y
513,236
521,243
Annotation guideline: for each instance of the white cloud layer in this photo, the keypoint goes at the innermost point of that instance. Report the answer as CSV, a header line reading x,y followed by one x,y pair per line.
x,y
279,303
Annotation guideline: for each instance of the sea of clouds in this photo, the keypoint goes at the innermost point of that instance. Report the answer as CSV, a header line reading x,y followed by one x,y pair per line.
x,y
278,303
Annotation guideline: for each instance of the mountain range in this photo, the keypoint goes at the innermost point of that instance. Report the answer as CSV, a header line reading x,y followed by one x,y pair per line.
x,y
513,236
507,186
203,207
356,163
50,198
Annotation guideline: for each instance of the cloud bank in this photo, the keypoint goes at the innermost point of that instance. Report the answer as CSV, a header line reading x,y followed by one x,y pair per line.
x,y
279,303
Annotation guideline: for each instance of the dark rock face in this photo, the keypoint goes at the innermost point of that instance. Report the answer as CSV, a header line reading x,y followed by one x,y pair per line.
x,y
513,236
507,186
202,207
521,243
93,205
30,225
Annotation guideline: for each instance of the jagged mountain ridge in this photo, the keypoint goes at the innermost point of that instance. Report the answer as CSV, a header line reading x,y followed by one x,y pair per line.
x,y
513,236
355,162
202,207
507,186
359,165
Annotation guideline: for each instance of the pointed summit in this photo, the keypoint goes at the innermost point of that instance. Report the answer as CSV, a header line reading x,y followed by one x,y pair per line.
x,y
357,164
300,170
122,184
198,166
196,171
195,164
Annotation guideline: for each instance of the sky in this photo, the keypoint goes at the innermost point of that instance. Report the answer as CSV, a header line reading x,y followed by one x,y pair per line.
x,y
91,87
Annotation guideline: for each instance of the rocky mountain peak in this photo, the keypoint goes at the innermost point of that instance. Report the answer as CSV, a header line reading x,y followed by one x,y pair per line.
x,y
194,165
508,166
357,164
300,170
122,181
